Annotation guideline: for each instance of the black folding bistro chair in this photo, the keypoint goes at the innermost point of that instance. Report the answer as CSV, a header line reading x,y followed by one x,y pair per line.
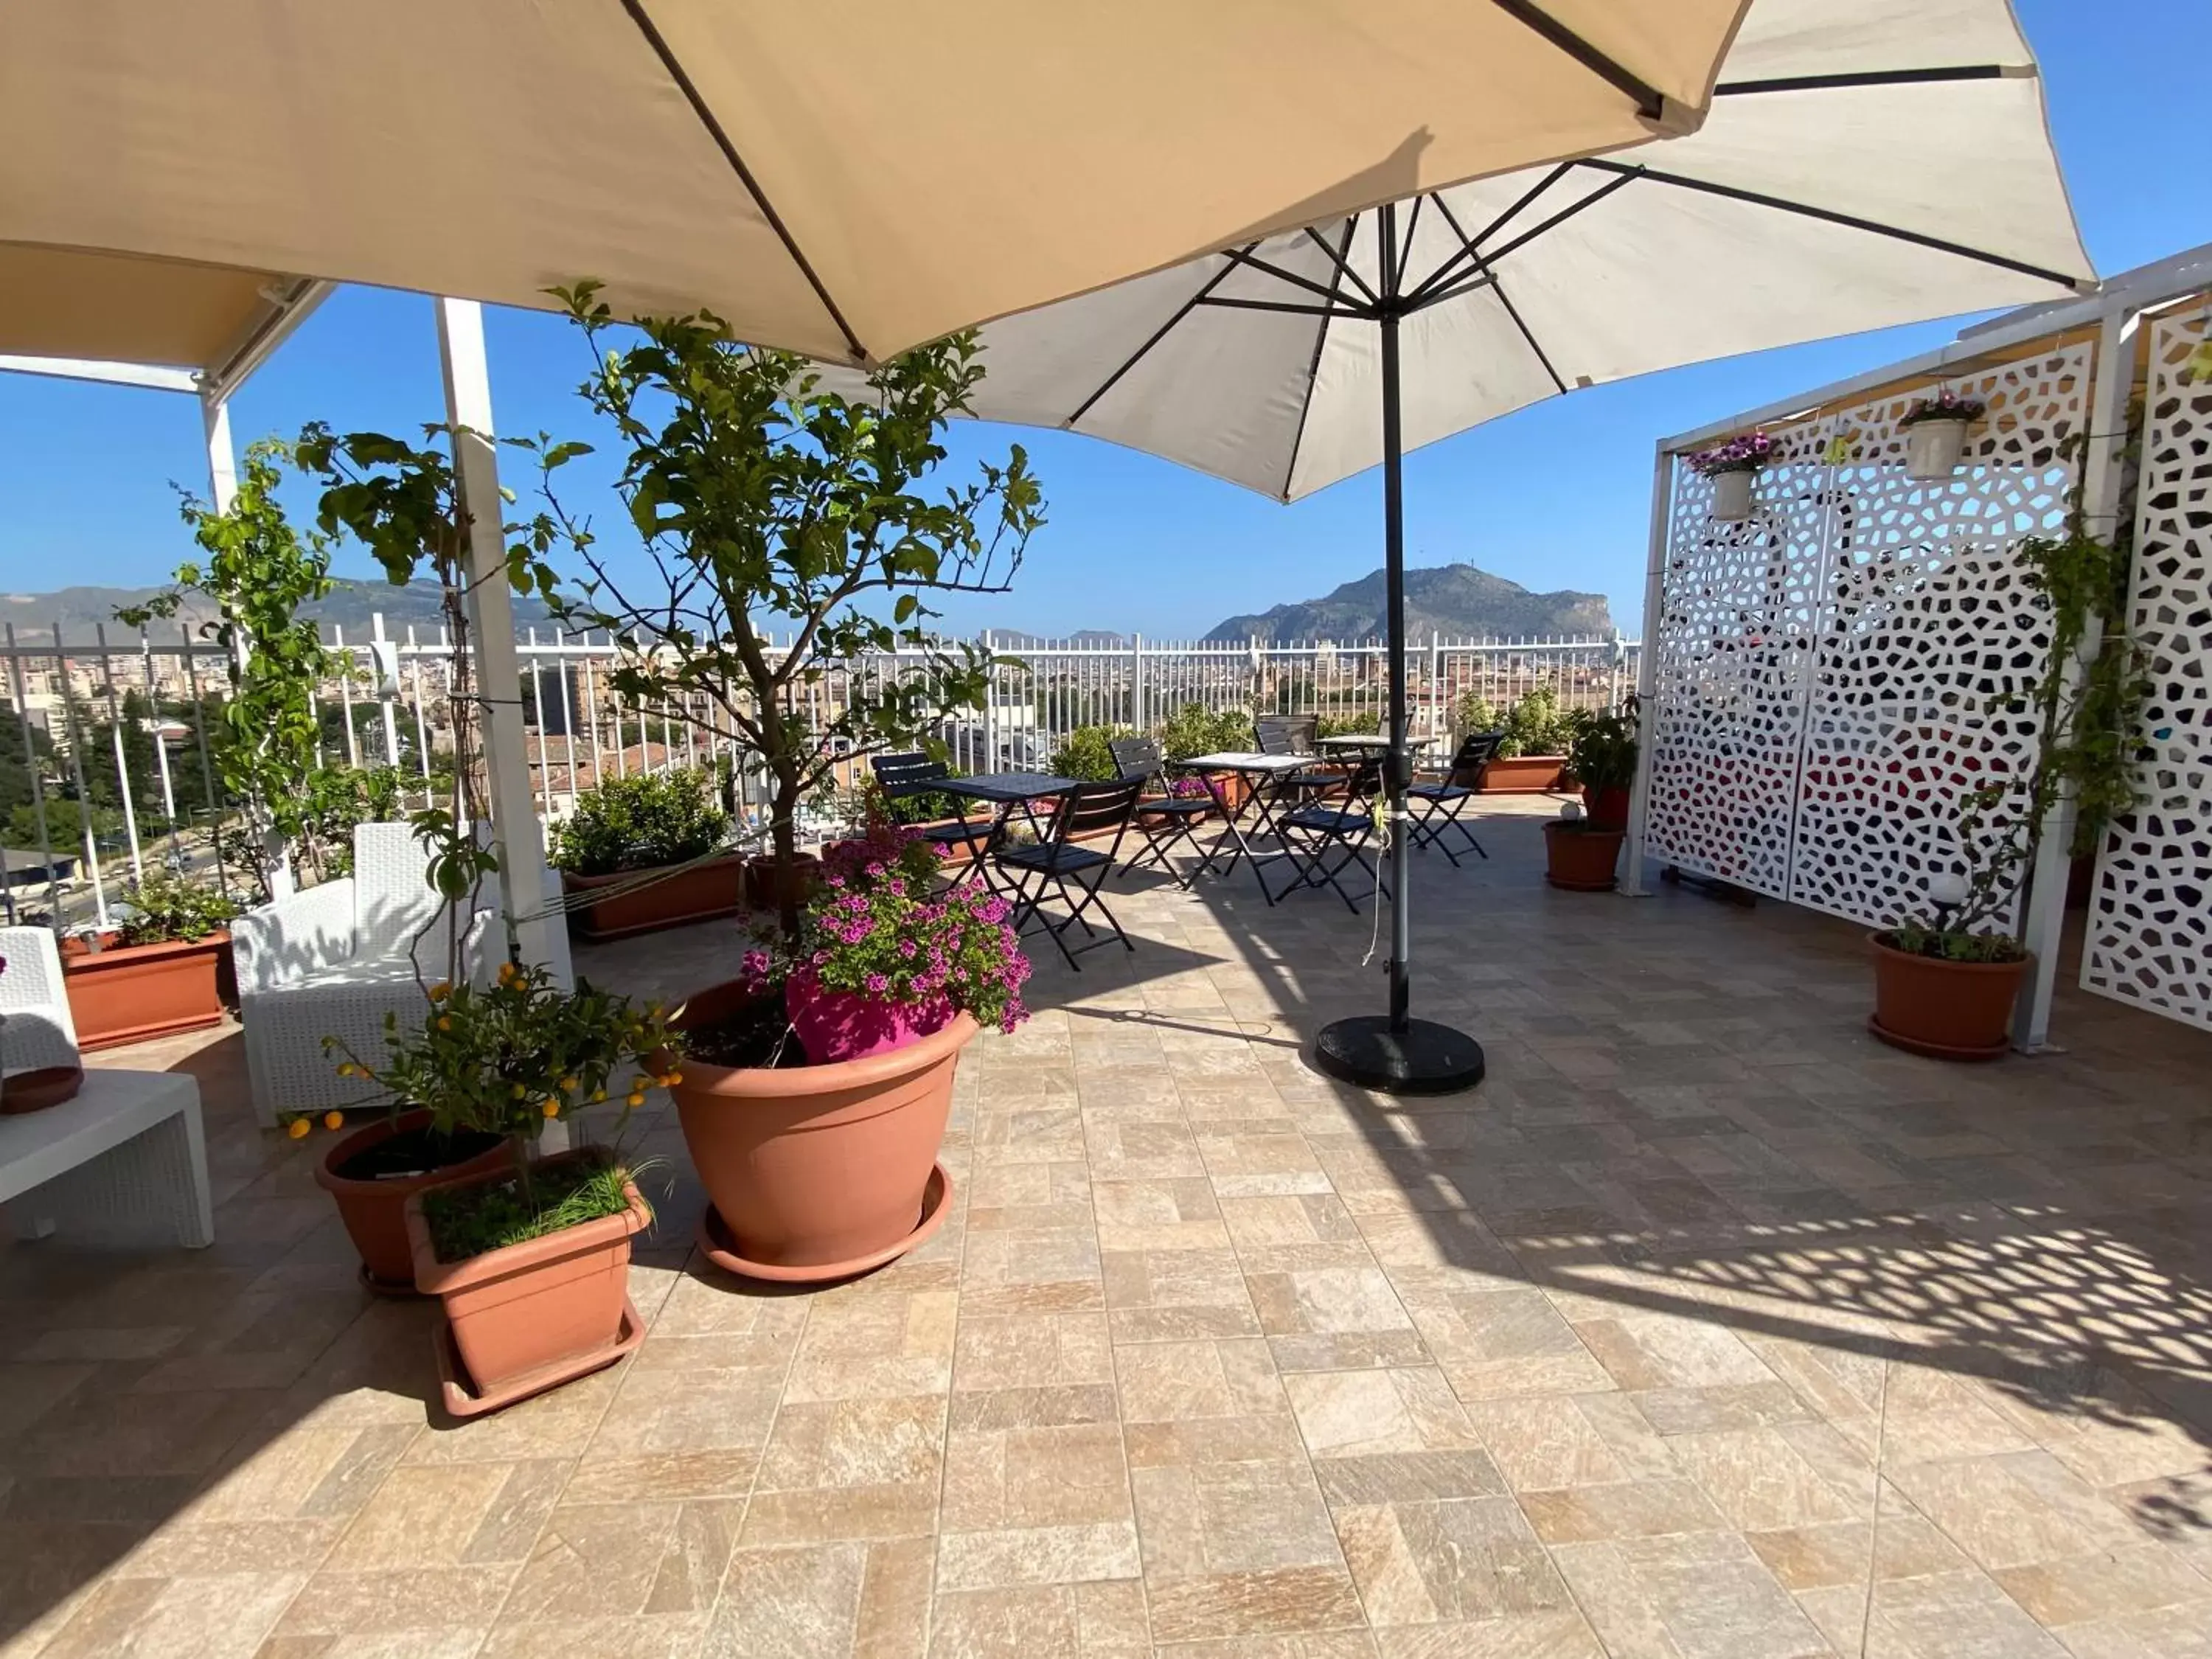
x,y
1324,840
903,777
1444,798
1296,734
1068,870
1165,821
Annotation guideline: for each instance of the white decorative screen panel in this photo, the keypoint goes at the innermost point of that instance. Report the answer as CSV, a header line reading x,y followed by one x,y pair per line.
x,y
1736,630
2150,937
1823,761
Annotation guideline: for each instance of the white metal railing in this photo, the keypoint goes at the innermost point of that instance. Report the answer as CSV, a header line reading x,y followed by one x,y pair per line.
x,y
112,764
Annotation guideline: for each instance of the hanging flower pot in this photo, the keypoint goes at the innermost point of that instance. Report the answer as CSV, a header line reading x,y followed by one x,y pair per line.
x,y
1732,496
1731,466
1935,434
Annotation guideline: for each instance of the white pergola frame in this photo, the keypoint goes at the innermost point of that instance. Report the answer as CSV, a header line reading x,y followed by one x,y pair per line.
x,y
2115,310
467,377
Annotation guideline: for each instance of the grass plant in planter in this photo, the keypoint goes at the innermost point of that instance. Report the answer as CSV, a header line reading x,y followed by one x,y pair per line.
x,y
1946,981
1732,466
162,974
1936,434
815,1096
645,851
1601,756
530,1257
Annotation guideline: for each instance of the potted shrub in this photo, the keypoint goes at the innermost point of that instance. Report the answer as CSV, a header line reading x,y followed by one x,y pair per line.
x,y
1534,734
1195,729
815,1094
1580,855
1936,434
643,851
1601,756
530,1256
1946,982
1731,466
162,976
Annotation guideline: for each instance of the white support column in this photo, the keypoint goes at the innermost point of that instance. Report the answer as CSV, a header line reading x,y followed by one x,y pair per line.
x,y
2042,927
223,459
1647,670
515,830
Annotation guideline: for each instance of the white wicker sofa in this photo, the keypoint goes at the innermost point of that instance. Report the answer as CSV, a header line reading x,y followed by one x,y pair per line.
x,y
334,960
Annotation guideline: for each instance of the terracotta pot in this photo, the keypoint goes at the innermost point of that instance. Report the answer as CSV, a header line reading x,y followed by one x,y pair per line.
x,y
763,887
526,1316
1605,808
818,1170
1946,1010
374,1211
839,1025
1230,790
1581,861
134,992
698,893
1524,775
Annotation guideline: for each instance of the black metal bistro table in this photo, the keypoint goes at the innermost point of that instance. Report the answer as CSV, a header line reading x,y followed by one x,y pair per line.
x,y
1009,792
1266,773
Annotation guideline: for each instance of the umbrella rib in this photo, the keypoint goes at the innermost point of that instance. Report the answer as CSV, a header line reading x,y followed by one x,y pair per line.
x,y
1157,335
1901,77
1647,98
708,119
1624,176
1490,272
1623,173
1468,244
1337,257
1338,260
1243,256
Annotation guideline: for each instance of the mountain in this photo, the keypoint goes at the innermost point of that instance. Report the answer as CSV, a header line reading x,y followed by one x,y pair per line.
x,y
350,606
1455,600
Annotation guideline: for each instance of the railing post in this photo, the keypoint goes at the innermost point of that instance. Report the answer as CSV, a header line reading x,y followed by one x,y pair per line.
x,y
385,661
1137,721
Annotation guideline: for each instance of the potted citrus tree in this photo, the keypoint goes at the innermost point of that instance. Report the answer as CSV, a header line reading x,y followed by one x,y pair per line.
x,y
163,973
1946,978
1936,434
1602,756
1732,466
647,851
530,1257
815,1094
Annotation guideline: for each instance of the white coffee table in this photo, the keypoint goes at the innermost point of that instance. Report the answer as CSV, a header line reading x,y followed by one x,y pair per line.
x,y
126,1151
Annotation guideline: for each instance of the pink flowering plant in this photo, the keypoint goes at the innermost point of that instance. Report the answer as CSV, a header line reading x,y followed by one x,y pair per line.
x,y
1745,452
876,928
1945,405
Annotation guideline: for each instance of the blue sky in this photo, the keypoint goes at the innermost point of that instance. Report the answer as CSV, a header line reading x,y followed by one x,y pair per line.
x,y
1555,496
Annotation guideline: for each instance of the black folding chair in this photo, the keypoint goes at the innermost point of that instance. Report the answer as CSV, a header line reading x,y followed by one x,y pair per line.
x,y
903,777
1296,734
1165,821
1446,798
1323,841
1060,869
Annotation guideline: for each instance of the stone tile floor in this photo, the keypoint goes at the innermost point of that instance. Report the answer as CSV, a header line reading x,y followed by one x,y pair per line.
x,y
1702,1312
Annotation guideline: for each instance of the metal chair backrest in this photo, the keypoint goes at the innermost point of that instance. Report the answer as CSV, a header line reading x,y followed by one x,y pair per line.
x,y
1286,734
1091,807
1476,751
1364,781
907,775
1136,759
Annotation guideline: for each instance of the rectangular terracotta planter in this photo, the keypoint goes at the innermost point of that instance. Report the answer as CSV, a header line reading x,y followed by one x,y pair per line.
x,y
1525,774
129,993
716,888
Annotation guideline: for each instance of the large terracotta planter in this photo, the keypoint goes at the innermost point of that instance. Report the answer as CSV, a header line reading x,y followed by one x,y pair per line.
x,y
764,885
1605,808
530,1316
699,892
133,992
818,1172
375,1212
1524,775
1946,1010
1581,860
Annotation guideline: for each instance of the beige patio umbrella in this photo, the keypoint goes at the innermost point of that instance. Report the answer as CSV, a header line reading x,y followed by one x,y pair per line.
x,y
845,179
1866,163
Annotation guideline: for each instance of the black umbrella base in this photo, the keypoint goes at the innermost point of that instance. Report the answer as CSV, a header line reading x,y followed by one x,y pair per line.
x,y
1424,1059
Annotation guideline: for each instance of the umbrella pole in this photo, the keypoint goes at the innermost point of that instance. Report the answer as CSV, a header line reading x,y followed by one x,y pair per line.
x,y
1395,1052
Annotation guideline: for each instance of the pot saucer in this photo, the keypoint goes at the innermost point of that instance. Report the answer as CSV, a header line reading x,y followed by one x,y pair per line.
x,y
714,1240
460,1396
36,1089
1935,1050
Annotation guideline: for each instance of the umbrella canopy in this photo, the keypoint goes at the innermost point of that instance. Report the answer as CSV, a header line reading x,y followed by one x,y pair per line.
x,y
844,179
1866,163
